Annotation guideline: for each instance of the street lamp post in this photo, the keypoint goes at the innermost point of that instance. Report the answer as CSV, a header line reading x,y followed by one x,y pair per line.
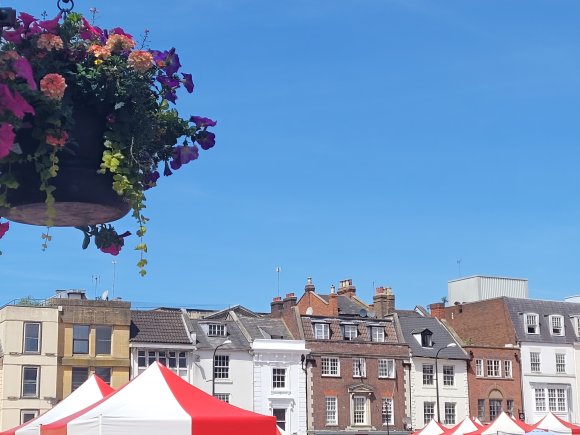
x,y
437,380
226,341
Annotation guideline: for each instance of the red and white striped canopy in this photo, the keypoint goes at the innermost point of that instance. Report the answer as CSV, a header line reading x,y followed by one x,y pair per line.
x,y
160,402
504,423
554,423
91,391
432,428
465,426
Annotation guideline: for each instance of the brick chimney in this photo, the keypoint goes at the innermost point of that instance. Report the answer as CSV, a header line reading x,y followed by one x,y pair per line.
x,y
277,308
437,310
384,302
333,302
309,287
289,301
346,288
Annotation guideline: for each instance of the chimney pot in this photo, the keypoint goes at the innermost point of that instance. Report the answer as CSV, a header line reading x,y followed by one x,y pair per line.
x,y
332,289
290,295
277,299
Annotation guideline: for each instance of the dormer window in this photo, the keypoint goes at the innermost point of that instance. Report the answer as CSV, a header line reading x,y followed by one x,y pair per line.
x,y
556,325
532,323
321,331
350,332
427,338
377,334
216,330
576,322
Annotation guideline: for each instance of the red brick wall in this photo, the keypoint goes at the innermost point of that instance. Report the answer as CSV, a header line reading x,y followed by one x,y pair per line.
x,y
481,387
319,306
338,387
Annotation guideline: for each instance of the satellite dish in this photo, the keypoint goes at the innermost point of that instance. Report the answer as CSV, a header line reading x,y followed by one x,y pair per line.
x,y
362,312
105,295
372,314
309,311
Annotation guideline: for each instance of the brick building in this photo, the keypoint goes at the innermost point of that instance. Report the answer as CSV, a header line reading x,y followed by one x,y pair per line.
x,y
355,371
494,369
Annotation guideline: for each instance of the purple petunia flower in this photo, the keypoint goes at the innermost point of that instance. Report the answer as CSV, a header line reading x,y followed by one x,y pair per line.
x,y
201,122
206,139
23,69
150,180
166,171
90,32
183,155
119,31
170,82
50,25
7,137
187,82
14,36
26,19
167,61
14,103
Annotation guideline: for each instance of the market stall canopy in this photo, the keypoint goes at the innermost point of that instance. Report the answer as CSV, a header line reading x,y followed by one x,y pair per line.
x,y
158,401
465,426
553,423
504,423
432,428
90,392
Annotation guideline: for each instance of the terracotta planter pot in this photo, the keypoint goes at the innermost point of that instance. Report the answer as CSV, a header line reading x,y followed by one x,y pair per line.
x,y
82,196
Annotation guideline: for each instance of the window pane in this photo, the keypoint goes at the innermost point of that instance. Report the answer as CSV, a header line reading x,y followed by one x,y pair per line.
x,y
280,415
30,381
79,376
278,378
104,373
32,337
221,367
104,334
331,411
80,339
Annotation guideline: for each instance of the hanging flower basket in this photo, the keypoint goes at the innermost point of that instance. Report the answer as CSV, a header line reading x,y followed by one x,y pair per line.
x,y
85,122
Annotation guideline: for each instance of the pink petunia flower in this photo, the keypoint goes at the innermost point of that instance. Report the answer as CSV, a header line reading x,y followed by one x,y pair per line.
x,y
7,137
4,226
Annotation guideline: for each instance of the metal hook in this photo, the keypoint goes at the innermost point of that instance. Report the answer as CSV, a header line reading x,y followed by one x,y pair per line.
x,y
65,10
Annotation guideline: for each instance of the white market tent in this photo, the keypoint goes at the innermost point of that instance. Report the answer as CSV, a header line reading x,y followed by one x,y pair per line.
x,y
432,428
465,426
504,423
160,402
554,423
90,392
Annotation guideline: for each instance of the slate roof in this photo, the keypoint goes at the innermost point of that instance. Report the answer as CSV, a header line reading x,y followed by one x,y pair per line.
x,y
441,337
234,334
347,306
336,333
158,327
518,307
260,328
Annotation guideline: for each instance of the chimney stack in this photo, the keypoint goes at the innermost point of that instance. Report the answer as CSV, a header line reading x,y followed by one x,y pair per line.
x,y
384,302
289,301
346,288
276,308
437,310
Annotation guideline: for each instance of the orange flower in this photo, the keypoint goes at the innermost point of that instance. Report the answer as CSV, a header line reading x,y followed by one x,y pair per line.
x,y
119,43
140,60
53,86
47,41
57,141
99,51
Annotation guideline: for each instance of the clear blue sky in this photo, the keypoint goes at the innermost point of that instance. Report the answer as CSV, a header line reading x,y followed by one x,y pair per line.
x,y
378,140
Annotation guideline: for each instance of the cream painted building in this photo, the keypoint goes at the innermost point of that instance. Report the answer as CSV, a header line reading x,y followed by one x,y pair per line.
x,y
28,362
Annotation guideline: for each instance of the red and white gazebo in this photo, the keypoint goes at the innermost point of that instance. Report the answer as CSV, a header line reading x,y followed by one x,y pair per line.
x,y
553,423
465,426
432,428
160,402
90,392
504,423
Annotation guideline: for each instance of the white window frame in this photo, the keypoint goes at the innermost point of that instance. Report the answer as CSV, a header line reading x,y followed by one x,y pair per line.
x,y
386,368
540,399
321,331
428,416
560,362
350,332
331,404
28,338
493,368
216,330
36,382
535,362
359,367
532,320
32,412
221,368
387,413
556,325
577,325
330,366
278,378
378,334
428,374
497,410
360,408
224,397
508,369
448,376
479,367
450,413
174,360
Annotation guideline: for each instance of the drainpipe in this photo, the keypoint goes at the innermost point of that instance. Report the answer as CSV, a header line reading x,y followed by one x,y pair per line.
x,y
304,362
